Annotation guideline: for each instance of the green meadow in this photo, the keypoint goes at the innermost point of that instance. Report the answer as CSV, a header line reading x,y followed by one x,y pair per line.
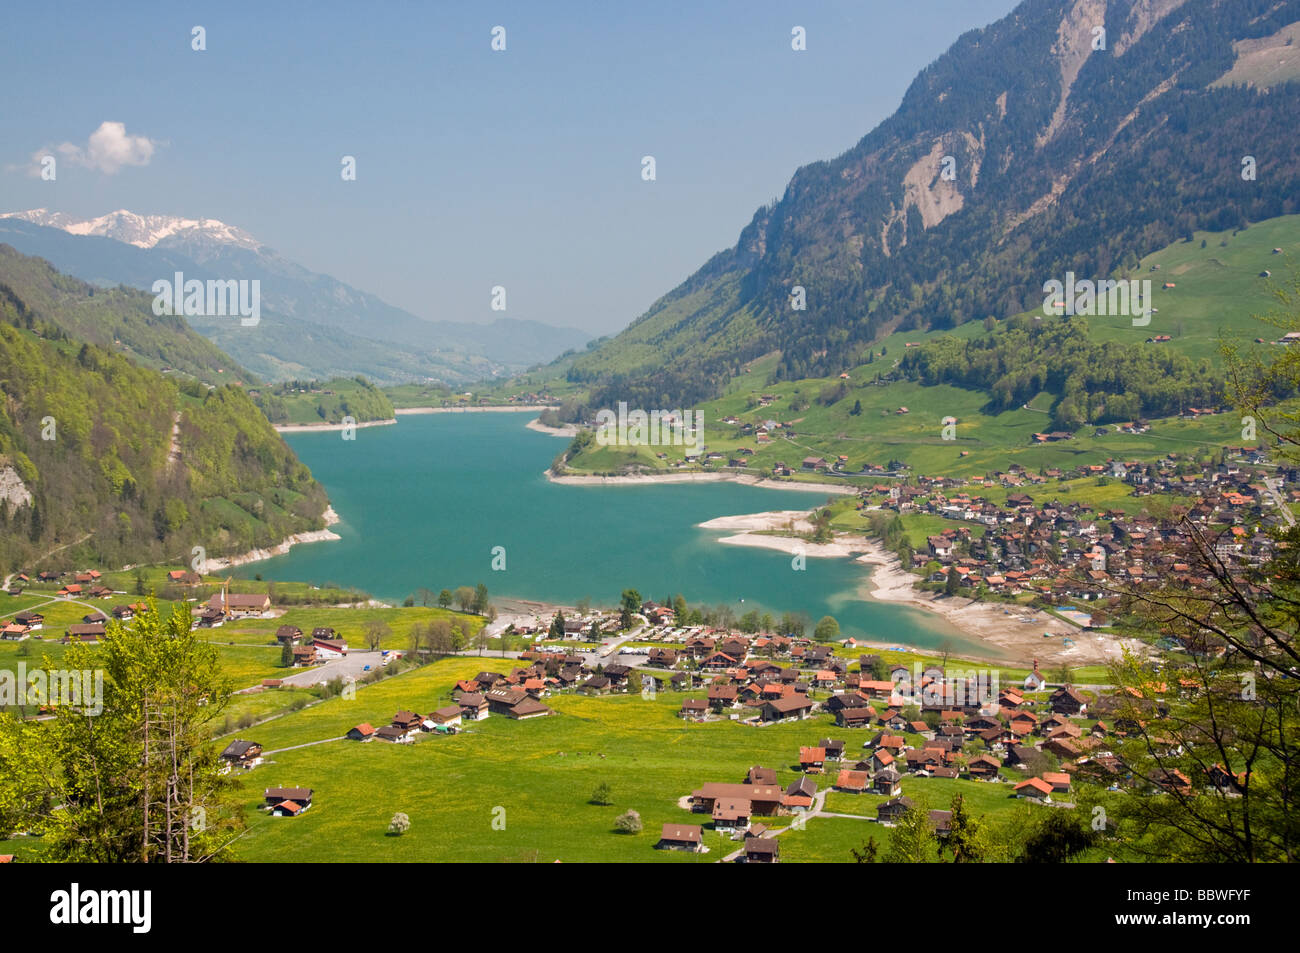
x,y
534,779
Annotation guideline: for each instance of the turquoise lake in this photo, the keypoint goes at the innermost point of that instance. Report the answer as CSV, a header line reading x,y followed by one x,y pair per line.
x,y
425,501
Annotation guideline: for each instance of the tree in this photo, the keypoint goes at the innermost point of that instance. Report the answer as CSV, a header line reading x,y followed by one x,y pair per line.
x,y
464,597
425,596
439,638
966,840
866,854
444,598
601,795
912,841
630,605
556,630
140,780
827,629
951,584
286,655
376,630
399,825
480,604
1057,838
629,822
857,408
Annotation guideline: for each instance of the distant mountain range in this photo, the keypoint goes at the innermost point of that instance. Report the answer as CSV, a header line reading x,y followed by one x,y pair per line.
x,y
1070,136
312,325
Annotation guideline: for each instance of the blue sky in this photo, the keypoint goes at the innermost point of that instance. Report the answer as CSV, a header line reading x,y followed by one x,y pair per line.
x,y
475,168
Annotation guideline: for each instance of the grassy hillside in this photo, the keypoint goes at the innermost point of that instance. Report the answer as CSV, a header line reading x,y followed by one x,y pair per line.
x,y
107,461
315,402
1218,296
120,320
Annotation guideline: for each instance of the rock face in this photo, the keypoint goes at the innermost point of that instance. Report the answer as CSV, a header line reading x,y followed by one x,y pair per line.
x,y
12,491
1072,135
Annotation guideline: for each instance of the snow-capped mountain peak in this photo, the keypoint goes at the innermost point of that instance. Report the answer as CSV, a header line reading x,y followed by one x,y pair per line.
x,y
143,231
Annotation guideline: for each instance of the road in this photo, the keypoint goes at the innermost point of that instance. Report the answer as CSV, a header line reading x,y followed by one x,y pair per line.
x,y
351,665
1274,487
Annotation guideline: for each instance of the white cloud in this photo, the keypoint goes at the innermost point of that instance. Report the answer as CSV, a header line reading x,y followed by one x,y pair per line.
x,y
108,149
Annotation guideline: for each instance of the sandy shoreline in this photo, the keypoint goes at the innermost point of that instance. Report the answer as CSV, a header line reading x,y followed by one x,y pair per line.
x,y
280,548
307,428
507,409
564,430
742,478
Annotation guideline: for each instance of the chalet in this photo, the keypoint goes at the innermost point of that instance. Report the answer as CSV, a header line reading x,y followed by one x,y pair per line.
x,y
596,685
14,632
393,733
330,648
184,577
983,768
1067,701
242,754
723,696
304,655
854,717
125,613
1059,780
694,708
852,782
299,798
235,604
763,800
84,632
91,618
528,708
288,635
791,706
800,794
762,850
33,620
812,760
324,632
732,813
814,463
408,721
502,701
663,658
941,823
889,812
687,837
210,618
473,706
834,749
448,716
887,782
362,732
1036,789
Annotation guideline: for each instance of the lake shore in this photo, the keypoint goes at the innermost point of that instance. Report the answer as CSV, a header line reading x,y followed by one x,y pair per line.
x,y
504,409
280,548
994,624
564,430
745,479
308,428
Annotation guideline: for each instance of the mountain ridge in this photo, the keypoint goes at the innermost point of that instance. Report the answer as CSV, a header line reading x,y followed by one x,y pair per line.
x,y
1020,153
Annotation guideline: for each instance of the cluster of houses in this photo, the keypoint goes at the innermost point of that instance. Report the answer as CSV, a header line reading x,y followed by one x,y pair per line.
x,y
89,630
323,644
1070,551
406,726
